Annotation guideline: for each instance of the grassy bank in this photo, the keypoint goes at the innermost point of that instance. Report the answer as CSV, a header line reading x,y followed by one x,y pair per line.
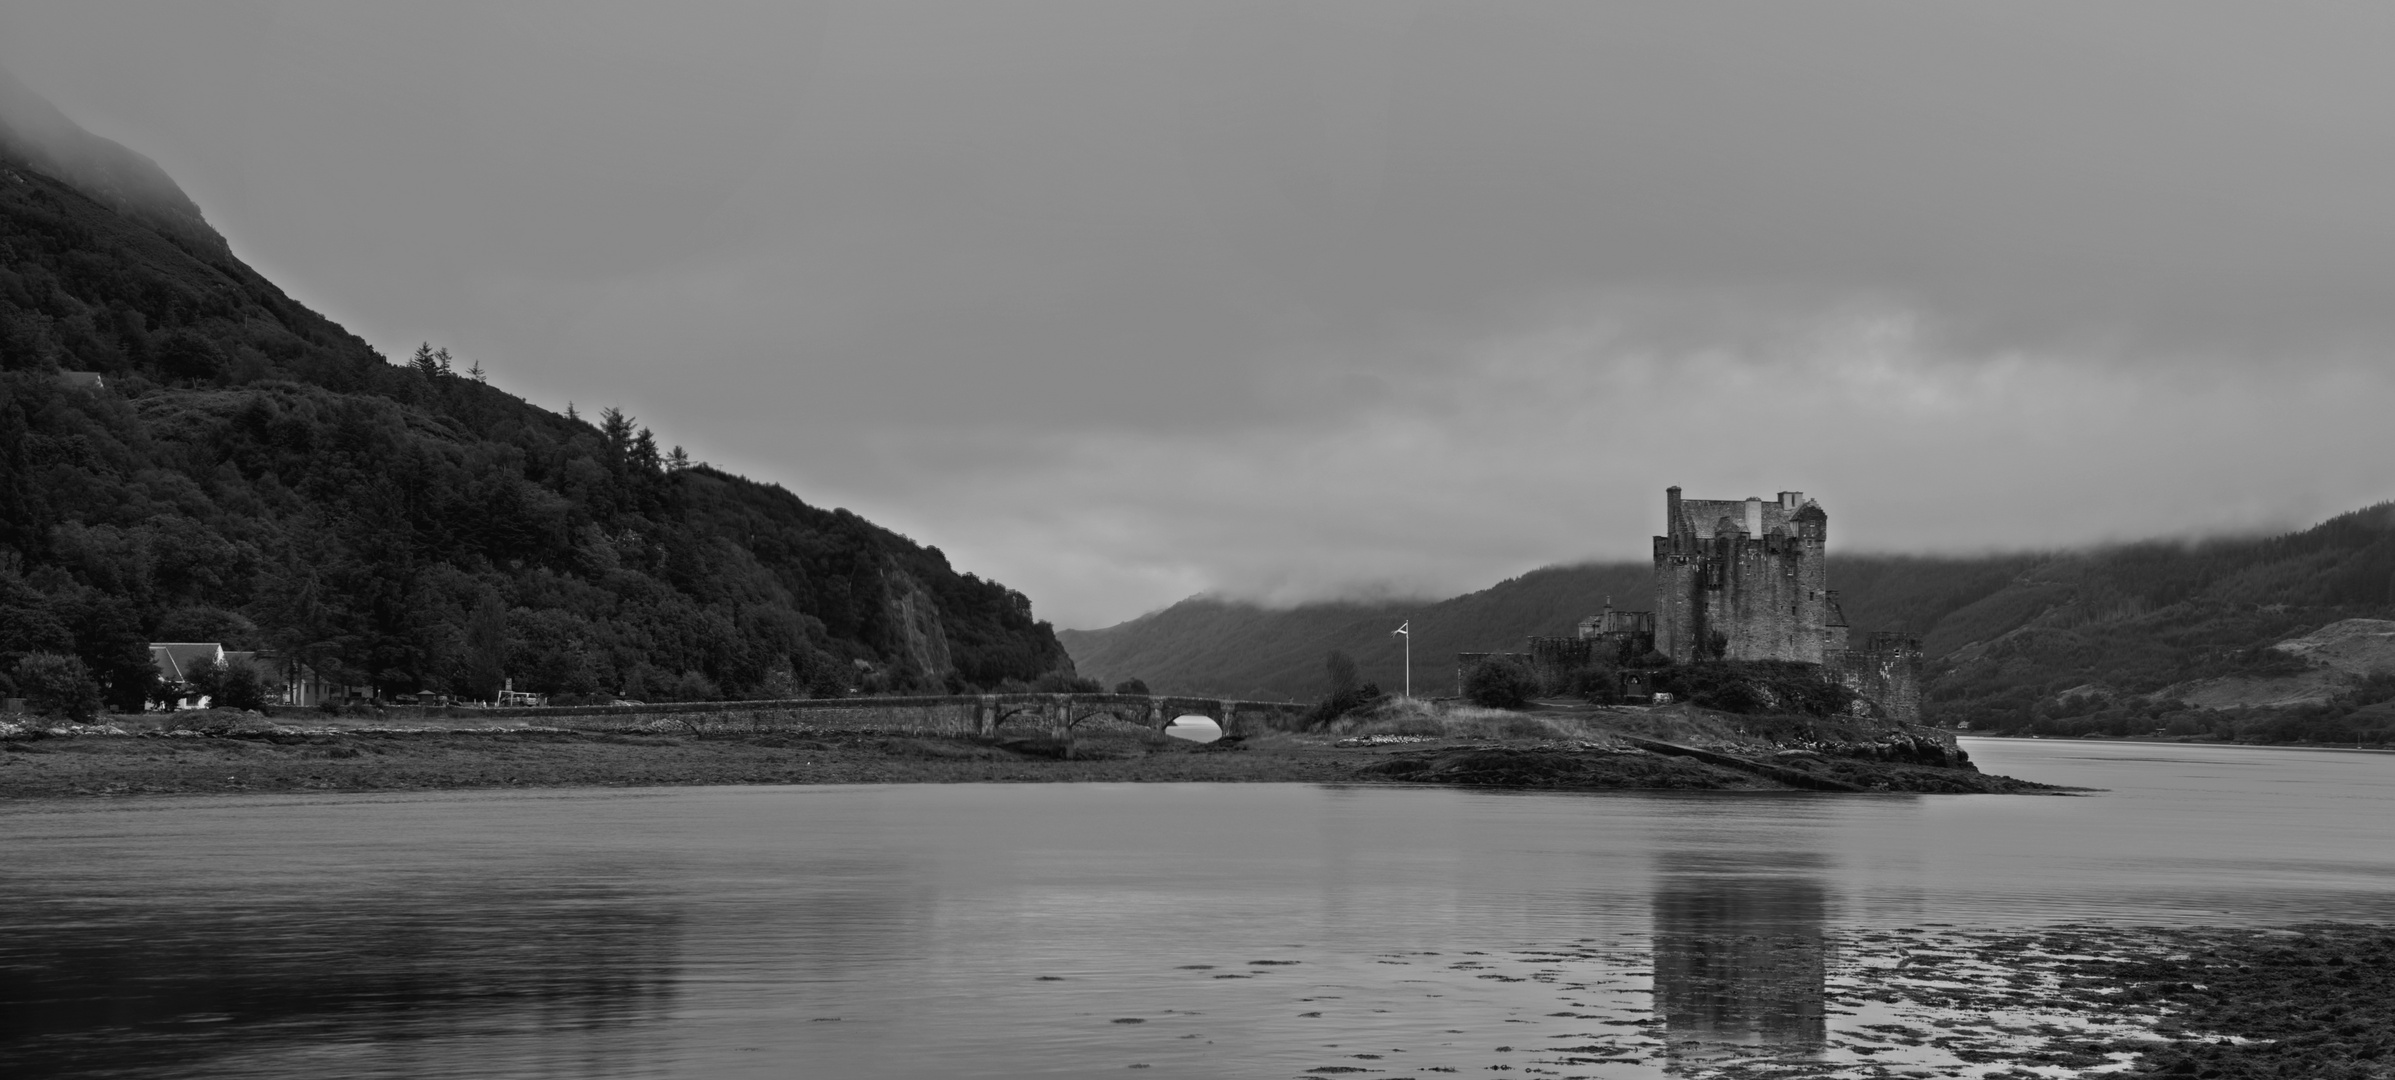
x,y
1478,748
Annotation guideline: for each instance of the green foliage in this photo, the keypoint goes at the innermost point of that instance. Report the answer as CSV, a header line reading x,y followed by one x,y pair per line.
x,y
236,684
1500,682
1131,686
1755,686
55,685
1343,692
1339,675
1228,648
430,363
254,470
1596,681
188,356
2132,622
1065,682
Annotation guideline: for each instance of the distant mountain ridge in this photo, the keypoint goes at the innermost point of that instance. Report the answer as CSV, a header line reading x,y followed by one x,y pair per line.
x,y
245,470
2013,640
1204,645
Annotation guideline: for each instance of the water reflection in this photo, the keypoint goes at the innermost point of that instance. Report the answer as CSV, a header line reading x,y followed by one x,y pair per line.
x,y
1739,956
376,984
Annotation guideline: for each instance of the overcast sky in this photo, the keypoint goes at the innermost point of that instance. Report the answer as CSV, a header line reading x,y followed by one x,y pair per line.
x,y
1121,302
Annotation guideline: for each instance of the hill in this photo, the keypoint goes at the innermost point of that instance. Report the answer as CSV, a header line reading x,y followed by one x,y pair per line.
x,y
2123,640
245,470
1212,646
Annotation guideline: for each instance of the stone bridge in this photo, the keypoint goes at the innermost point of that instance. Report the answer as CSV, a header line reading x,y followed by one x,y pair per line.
x,y
985,715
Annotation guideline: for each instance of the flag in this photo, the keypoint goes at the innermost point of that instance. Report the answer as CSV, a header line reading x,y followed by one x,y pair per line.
x,y
1403,630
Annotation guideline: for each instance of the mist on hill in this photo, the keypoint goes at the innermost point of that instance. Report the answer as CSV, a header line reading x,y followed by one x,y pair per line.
x,y
34,131
229,465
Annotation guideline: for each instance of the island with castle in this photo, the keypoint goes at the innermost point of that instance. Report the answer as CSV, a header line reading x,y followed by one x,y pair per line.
x,y
1735,580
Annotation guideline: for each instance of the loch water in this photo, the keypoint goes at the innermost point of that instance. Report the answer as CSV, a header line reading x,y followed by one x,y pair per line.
x,y
1086,930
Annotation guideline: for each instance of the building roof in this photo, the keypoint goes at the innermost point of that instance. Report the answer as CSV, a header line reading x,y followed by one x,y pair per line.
x,y
82,380
175,659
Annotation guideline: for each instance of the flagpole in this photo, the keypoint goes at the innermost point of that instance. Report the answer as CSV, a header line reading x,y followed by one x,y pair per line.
x,y
1409,661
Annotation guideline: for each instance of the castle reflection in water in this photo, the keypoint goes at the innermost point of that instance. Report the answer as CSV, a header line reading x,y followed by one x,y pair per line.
x,y
1740,959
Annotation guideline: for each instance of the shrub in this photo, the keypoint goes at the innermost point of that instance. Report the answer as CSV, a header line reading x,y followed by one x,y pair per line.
x,y
187,355
1500,683
236,684
1354,699
1065,682
60,686
1132,686
1596,682
1756,686
1343,694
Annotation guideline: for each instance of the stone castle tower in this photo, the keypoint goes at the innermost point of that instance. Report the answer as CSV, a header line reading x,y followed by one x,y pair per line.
x,y
1737,579
1745,580
1749,580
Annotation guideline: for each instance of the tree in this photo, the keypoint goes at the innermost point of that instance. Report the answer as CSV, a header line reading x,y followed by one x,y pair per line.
x,y
1500,682
1345,693
235,684
429,362
1597,681
780,684
486,648
56,685
1133,686
1065,682
187,355
1339,672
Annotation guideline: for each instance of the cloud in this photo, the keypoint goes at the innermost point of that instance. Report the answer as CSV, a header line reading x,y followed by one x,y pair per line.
x,y
1554,446
1116,303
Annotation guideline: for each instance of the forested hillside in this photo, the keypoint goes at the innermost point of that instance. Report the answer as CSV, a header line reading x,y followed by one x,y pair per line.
x,y
252,473
2113,641
1209,646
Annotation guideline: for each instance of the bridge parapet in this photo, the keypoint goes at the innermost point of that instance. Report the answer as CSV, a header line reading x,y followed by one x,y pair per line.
x,y
977,714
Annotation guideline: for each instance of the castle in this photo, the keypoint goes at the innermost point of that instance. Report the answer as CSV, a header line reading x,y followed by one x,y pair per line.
x,y
1741,579
1745,580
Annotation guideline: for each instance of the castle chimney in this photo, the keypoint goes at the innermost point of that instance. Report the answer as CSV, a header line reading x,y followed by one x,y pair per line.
x,y
1790,500
1671,514
1754,516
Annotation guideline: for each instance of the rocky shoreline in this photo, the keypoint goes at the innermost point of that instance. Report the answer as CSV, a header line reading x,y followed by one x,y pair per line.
x,y
2209,1003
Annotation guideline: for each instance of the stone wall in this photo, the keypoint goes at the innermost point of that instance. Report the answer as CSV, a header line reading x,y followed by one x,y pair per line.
x,y
1886,671
1742,596
969,714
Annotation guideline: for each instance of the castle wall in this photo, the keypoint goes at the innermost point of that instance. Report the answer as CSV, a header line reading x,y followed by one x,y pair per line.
x,y
1766,597
1676,614
1886,671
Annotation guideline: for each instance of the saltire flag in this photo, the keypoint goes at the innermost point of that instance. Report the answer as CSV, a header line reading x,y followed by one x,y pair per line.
x,y
1403,630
